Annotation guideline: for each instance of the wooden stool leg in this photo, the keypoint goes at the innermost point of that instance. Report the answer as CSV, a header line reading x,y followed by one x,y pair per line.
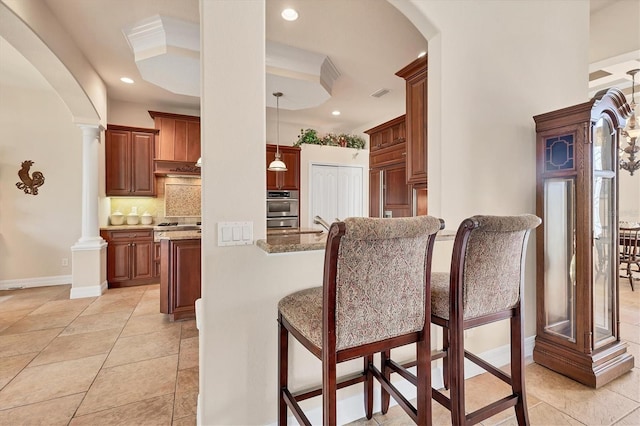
x,y
329,389
517,368
423,370
445,360
368,387
455,354
283,372
386,373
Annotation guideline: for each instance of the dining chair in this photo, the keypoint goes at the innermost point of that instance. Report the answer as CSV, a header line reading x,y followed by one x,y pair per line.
x,y
629,251
374,297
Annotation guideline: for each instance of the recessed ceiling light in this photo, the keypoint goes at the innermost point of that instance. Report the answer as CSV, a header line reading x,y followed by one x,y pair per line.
x,y
335,112
289,14
126,80
422,54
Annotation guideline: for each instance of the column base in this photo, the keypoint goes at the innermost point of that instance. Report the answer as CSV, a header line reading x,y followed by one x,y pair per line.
x,y
89,268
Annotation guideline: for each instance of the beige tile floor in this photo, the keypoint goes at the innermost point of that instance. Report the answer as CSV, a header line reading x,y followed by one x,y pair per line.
x,y
110,360
114,360
552,398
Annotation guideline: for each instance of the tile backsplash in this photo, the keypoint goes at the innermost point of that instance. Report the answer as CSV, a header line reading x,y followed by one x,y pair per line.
x,y
180,196
181,200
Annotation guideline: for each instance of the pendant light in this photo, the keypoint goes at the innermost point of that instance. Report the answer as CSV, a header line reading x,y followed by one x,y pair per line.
x,y
277,165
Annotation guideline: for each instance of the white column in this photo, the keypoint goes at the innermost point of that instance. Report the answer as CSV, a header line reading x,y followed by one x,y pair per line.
x,y
89,252
90,145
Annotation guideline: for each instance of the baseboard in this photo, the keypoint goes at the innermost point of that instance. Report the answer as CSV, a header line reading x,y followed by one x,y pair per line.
x,y
351,409
35,282
88,291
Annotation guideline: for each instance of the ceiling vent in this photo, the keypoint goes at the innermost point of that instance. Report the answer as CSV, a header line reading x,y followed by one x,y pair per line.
x,y
379,93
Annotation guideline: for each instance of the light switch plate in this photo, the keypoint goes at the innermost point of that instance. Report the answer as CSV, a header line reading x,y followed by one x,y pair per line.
x,y
235,233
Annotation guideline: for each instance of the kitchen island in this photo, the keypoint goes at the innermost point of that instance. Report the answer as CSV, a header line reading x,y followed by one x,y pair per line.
x,y
180,275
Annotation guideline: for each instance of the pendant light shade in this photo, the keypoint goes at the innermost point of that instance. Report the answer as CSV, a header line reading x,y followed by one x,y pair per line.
x,y
277,165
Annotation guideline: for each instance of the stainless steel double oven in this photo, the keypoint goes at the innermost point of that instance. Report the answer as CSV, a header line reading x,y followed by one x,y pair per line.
x,y
282,209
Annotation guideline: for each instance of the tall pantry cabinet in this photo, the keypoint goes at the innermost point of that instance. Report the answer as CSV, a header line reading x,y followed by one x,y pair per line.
x,y
398,153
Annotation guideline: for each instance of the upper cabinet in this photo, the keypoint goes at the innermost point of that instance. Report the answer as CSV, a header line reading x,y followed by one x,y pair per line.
x,y
179,138
415,75
390,133
129,161
290,179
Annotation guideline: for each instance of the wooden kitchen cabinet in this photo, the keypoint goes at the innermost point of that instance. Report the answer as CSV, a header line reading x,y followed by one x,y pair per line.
x,y
129,161
156,259
415,75
389,193
387,134
130,257
284,180
180,277
179,138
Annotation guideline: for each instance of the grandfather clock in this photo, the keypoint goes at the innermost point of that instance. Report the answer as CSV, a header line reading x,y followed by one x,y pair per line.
x,y
577,325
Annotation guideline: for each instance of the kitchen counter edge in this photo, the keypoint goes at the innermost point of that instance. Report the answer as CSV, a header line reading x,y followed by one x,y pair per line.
x,y
310,242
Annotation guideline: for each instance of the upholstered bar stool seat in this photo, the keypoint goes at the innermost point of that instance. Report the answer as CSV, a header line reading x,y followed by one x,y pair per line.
x,y
303,310
374,297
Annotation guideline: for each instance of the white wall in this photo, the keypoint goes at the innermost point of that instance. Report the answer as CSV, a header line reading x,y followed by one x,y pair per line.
x,y
37,232
137,115
492,66
615,31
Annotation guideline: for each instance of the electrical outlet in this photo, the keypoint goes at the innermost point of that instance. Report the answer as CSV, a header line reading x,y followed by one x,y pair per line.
x,y
65,261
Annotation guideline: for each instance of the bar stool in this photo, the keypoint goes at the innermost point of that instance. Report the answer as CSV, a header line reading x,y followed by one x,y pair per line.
x,y
374,297
484,286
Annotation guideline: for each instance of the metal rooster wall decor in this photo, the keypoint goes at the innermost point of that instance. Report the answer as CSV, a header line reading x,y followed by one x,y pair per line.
x,y
31,183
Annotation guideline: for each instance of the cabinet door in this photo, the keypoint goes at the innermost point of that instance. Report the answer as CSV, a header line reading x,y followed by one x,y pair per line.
x,y
291,178
118,162
186,275
119,261
156,259
164,148
142,147
396,192
375,192
272,177
417,129
193,141
142,261
284,180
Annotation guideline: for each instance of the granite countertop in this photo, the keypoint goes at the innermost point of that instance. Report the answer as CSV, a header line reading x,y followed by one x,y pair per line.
x,y
292,241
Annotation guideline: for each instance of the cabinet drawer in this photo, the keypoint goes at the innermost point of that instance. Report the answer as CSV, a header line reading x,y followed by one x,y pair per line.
x,y
129,235
394,154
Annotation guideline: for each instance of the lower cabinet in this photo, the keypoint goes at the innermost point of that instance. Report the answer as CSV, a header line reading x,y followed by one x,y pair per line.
x,y
179,277
130,257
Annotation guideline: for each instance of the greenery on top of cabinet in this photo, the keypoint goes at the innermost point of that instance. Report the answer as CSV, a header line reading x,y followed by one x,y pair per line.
x,y
310,136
